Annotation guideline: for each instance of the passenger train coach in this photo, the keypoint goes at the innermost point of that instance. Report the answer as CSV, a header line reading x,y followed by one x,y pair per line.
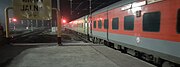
x,y
148,29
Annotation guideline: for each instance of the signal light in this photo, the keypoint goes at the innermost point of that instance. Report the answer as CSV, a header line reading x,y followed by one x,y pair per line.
x,y
14,19
64,21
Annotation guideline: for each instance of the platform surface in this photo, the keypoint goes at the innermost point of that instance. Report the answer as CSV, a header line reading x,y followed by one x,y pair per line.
x,y
75,55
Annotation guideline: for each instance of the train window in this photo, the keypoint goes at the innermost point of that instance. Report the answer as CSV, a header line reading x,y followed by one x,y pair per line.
x,y
178,22
115,23
106,23
151,21
94,24
129,22
99,24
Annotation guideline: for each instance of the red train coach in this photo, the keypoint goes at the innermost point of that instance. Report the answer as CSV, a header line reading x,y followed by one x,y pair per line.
x,y
148,27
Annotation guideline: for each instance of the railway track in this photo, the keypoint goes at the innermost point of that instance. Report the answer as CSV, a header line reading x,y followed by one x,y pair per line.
x,y
36,36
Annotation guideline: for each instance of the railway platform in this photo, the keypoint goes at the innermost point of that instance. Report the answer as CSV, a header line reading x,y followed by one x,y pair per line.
x,y
74,53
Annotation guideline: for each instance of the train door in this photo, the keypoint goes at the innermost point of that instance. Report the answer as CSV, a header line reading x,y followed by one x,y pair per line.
x,y
89,26
137,26
136,21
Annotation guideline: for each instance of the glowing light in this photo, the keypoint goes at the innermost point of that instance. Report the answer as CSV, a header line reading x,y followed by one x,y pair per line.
x,y
64,21
153,1
14,19
75,22
136,9
138,4
86,18
126,7
79,21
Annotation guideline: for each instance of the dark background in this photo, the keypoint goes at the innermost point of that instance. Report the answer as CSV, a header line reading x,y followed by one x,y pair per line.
x,y
81,7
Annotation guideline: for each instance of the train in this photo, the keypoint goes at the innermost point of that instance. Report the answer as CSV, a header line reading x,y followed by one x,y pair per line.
x,y
147,29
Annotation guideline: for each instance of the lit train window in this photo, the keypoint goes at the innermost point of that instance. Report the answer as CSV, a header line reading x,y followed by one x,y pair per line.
x,y
178,22
94,24
106,23
129,22
115,23
151,22
99,24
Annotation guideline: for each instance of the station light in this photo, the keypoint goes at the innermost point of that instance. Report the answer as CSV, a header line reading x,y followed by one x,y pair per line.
x,y
138,4
126,7
64,21
14,19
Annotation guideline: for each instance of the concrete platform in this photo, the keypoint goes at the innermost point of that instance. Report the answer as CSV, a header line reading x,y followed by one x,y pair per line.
x,y
8,52
76,55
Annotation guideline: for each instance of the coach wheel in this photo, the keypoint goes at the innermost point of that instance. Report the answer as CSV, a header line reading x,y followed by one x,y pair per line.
x,y
124,50
168,64
105,42
93,39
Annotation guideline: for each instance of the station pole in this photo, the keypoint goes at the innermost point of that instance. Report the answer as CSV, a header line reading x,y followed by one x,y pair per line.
x,y
59,23
7,20
90,9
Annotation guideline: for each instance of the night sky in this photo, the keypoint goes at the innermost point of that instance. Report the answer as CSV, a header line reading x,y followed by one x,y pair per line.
x,y
65,9
81,7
